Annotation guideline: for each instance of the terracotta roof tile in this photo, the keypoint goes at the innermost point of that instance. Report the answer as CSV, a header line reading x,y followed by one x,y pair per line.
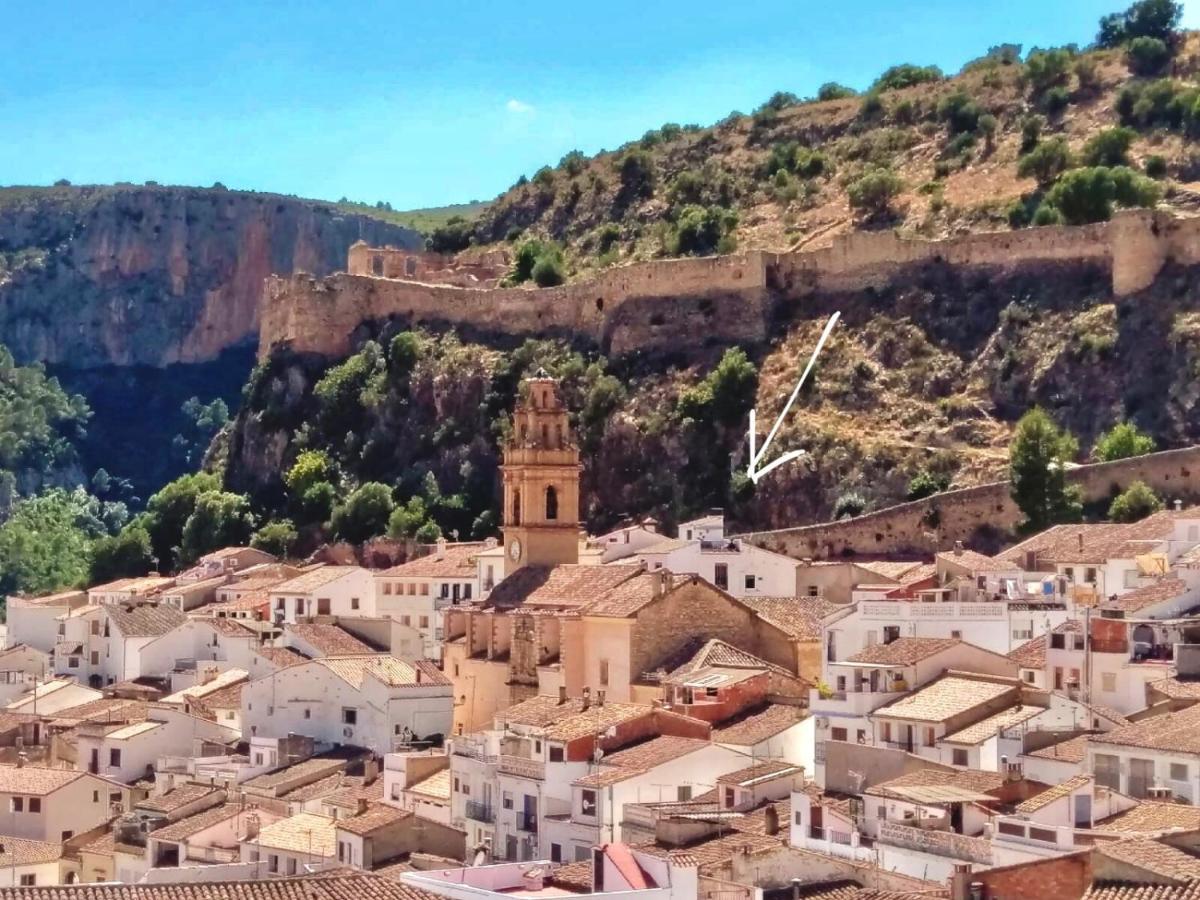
x,y
359,886
1051,794
145,620
640,758
993,724
387,669
1071,751
891,569
16,851
558,587
280,656
314,579
177,798
307,833
947,697
1154,856
759,772
377,816
185,828
436,785
35,779
754,727
799,617
1127,890
975,561
570,720
1179,732
329,640
714,852
1031,654
1140,598
1178,689
969,779
458,561
1150,815
905,651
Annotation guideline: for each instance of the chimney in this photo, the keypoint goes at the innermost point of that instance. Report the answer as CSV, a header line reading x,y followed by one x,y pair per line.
x,y
562,693
370,771
440,553
1178,505
587,697
958,548
360,805
417,670
1080,536
656,582
600,698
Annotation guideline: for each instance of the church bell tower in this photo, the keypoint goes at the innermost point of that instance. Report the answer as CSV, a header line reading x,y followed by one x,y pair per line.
x,y
541,480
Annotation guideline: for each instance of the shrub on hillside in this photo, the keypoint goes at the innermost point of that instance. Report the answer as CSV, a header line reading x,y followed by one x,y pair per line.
x,y
1045,162
1090,194
831,90
1147,56
1031,133
906,75
873,192
277,538
1047,214
573,163
1156,166
1109,147
1055,100
1158,104
701,231
636,170
451,237
1046,69
959,112
548,270
1122,441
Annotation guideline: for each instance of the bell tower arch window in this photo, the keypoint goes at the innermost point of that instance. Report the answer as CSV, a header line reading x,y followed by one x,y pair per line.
x,y
551,503
516,508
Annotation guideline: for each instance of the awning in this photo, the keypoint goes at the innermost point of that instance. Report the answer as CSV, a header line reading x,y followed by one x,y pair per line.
x,y
1151,564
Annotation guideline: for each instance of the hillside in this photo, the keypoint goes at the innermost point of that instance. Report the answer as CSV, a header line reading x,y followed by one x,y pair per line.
x,y
791,175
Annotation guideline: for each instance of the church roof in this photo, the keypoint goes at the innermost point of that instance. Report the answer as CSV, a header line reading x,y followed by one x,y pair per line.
x,y
558,587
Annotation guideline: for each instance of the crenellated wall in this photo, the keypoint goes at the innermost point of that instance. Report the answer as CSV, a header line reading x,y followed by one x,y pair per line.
x,y
723,299
914,527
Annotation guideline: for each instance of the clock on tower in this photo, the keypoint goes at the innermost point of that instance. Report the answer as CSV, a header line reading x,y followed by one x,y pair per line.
x,y
541,479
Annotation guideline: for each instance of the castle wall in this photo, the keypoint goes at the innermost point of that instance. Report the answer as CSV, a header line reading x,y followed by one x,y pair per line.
x,y
907,529
724,299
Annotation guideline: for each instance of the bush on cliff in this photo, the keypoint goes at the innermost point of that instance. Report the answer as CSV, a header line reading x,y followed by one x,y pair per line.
x,y
906,75
124,555
831,90
1147,18
1122,441
537,261
1109,147
701,231
277,538
1038,456
1134,503
1090,194
451,237
220,519
1045,161
1047,69
169,510
873,192
1147,56
365,513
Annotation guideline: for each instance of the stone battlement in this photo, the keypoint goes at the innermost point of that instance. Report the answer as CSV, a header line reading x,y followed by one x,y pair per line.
x,y
722,299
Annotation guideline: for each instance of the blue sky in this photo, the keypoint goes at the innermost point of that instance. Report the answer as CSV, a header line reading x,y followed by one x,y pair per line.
x,y
441,102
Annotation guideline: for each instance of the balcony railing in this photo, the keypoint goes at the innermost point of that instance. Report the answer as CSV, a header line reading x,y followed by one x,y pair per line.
x,y
940,843
522,767
527,821
480,812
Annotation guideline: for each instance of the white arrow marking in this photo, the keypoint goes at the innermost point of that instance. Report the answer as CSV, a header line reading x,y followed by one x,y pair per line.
x,y
757,455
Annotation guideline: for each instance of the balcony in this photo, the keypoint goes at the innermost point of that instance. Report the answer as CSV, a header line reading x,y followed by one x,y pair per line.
x,y
527,821
939,843
476,750
890,611
523,768
480,812
213,854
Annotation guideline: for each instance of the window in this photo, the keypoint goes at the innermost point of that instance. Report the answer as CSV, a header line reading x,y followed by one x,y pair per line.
x,y
1108,681
814,591
291,866
721,576
406,620
683,793
930,740
887,731
749,582
730,798
556,853
35,804
587,803
322,606
838,734
445,591
349,716
1089,576
114,757
551,504
18,804
423,622
1069,573
516,508
272,863
1179,772
956,635
604,672
582,853
466,592
1108,771
1029,675
230,714
556,754
28,880
95,796
506,800
960,756
354,603
424,592
66,835
73,662
457,789
387,588
95,657
861,736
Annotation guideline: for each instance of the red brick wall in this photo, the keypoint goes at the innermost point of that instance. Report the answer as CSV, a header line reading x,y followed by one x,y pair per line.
x,y
1063,878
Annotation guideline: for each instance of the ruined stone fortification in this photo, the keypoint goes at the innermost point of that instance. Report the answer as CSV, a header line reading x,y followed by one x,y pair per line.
x,y
959,515
724,299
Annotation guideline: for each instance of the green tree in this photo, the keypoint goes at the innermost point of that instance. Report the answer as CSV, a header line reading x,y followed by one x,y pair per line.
x,y
548,271
403,353
277,537
406,518
340,391
831,90
220,519
873,192
1134,503
1146,18
1109,147
428,533
1147,56
906,75
1046,69
169,510
733,385
316,504
1038,457
43,547
1031,133
365,513
1046,161
636,171
124,555
959,112
202,422
1122,441
926,483
453,235
1089,194
311,467
700,231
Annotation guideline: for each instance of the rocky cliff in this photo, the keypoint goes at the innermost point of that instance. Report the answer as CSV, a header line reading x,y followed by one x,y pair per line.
x,y
94,276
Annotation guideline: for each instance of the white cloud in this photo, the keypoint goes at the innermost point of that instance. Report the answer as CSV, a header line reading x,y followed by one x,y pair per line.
x,y
516,106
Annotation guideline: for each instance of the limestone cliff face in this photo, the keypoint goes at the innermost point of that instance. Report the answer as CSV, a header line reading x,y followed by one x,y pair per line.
x,y
96,276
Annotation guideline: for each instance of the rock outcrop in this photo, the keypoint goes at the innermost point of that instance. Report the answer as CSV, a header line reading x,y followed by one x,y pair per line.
x,y
94,276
